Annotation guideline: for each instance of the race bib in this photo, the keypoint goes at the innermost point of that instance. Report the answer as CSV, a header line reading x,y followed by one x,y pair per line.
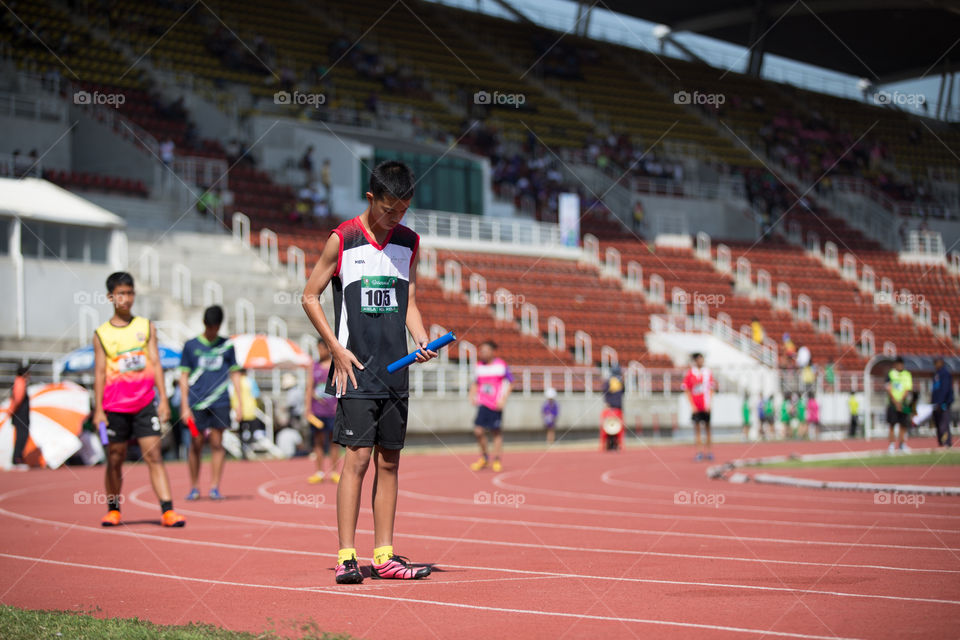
x,y
211,363
378,294
697,389
136,361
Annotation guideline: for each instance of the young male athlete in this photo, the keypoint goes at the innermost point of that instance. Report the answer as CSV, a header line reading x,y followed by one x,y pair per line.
x,y
370,262
489,392
700,384
320,408
126,370
208,366
899,384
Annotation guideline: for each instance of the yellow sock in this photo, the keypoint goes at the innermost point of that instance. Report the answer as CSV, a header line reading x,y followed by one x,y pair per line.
x,y
382,554
346,554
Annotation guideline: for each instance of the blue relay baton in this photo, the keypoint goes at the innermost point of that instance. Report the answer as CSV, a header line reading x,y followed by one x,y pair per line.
x,y
104,438
410,358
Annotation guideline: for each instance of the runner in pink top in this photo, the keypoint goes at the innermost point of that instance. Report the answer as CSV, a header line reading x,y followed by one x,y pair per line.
x,y
813,415
489,393
700,384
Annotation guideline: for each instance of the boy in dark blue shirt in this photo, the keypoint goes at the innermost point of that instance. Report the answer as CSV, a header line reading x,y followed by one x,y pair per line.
x,y
208,366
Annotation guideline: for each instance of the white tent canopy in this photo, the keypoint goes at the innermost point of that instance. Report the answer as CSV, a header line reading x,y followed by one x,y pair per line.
x,y
36,199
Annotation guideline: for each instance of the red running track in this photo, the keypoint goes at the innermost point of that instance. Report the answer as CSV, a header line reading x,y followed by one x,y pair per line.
x,y
561,544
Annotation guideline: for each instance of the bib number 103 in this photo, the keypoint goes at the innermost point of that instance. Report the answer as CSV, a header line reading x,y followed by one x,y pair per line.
x,y
378,294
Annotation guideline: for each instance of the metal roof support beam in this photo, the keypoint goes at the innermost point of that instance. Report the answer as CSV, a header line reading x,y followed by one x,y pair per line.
x,y
758,31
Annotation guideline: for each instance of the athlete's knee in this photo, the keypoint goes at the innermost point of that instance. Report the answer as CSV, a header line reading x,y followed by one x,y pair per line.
x,y
357,461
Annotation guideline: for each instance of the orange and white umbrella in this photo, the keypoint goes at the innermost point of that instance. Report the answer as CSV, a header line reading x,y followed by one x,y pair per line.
x,y
259,351
57,412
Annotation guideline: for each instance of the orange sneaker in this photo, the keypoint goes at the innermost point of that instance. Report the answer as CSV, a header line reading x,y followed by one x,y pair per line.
x,y
112,519
172,519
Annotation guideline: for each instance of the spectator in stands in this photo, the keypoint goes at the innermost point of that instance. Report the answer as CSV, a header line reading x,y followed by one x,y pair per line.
x,y
784,425
789,350
942,397
808,376
306,165
19,411
638,215
899,384
549,413
208,202
800,411
854,406
757,330
325,180
166,152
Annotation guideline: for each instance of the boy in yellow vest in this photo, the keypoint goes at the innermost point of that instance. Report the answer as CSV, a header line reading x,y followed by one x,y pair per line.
x,y
127,368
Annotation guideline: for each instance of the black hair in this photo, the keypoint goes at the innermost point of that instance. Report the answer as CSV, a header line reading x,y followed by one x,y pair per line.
x,y
489,343
117,279
392,178
213,316
897,360
696,355
23,369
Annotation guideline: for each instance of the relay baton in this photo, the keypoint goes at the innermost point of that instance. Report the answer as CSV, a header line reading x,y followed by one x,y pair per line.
x,y
410,358
192,425
104,438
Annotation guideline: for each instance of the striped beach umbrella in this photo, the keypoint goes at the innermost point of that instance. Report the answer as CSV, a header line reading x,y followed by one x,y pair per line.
x,y
260,351
57,412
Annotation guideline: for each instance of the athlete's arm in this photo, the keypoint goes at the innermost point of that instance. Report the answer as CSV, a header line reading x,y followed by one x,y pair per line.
x,y
343,360
308,397
415,321
505,391
99,379
473,393
185,412
163,409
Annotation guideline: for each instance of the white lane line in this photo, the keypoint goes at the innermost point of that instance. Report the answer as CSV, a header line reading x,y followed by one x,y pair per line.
x,y
457,605
635,532
585,496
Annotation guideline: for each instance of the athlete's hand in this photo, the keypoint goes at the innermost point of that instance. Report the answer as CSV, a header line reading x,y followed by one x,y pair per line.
x,y
343,363
100,416
186,415
239,415
163,411
425,354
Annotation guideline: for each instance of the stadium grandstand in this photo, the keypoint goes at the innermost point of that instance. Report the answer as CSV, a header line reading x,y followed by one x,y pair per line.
x,y
597,200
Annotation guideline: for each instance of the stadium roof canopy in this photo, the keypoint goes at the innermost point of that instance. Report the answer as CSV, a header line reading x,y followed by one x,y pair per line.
x,y
881,40
35,199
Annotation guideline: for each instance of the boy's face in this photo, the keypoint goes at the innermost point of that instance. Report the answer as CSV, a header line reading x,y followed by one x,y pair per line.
x,y
485,353
698,361
898,366
386,212
122,298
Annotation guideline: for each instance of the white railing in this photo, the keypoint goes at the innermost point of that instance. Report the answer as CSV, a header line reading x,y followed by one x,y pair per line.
x,y
784,300
849,269
206,173
241,228
452,276
825,320
529,319
88,321
868,279
804,308
246,316
40,109
846,331
556,334
943,324
212,293
591,249
150,267
703,246
582,347
723,258
503,304
634,281
296,264
611,263
277,326
764,284
476,229
427,265
831,255
182,283
766,353
928,243
478,290
270,247
656,292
